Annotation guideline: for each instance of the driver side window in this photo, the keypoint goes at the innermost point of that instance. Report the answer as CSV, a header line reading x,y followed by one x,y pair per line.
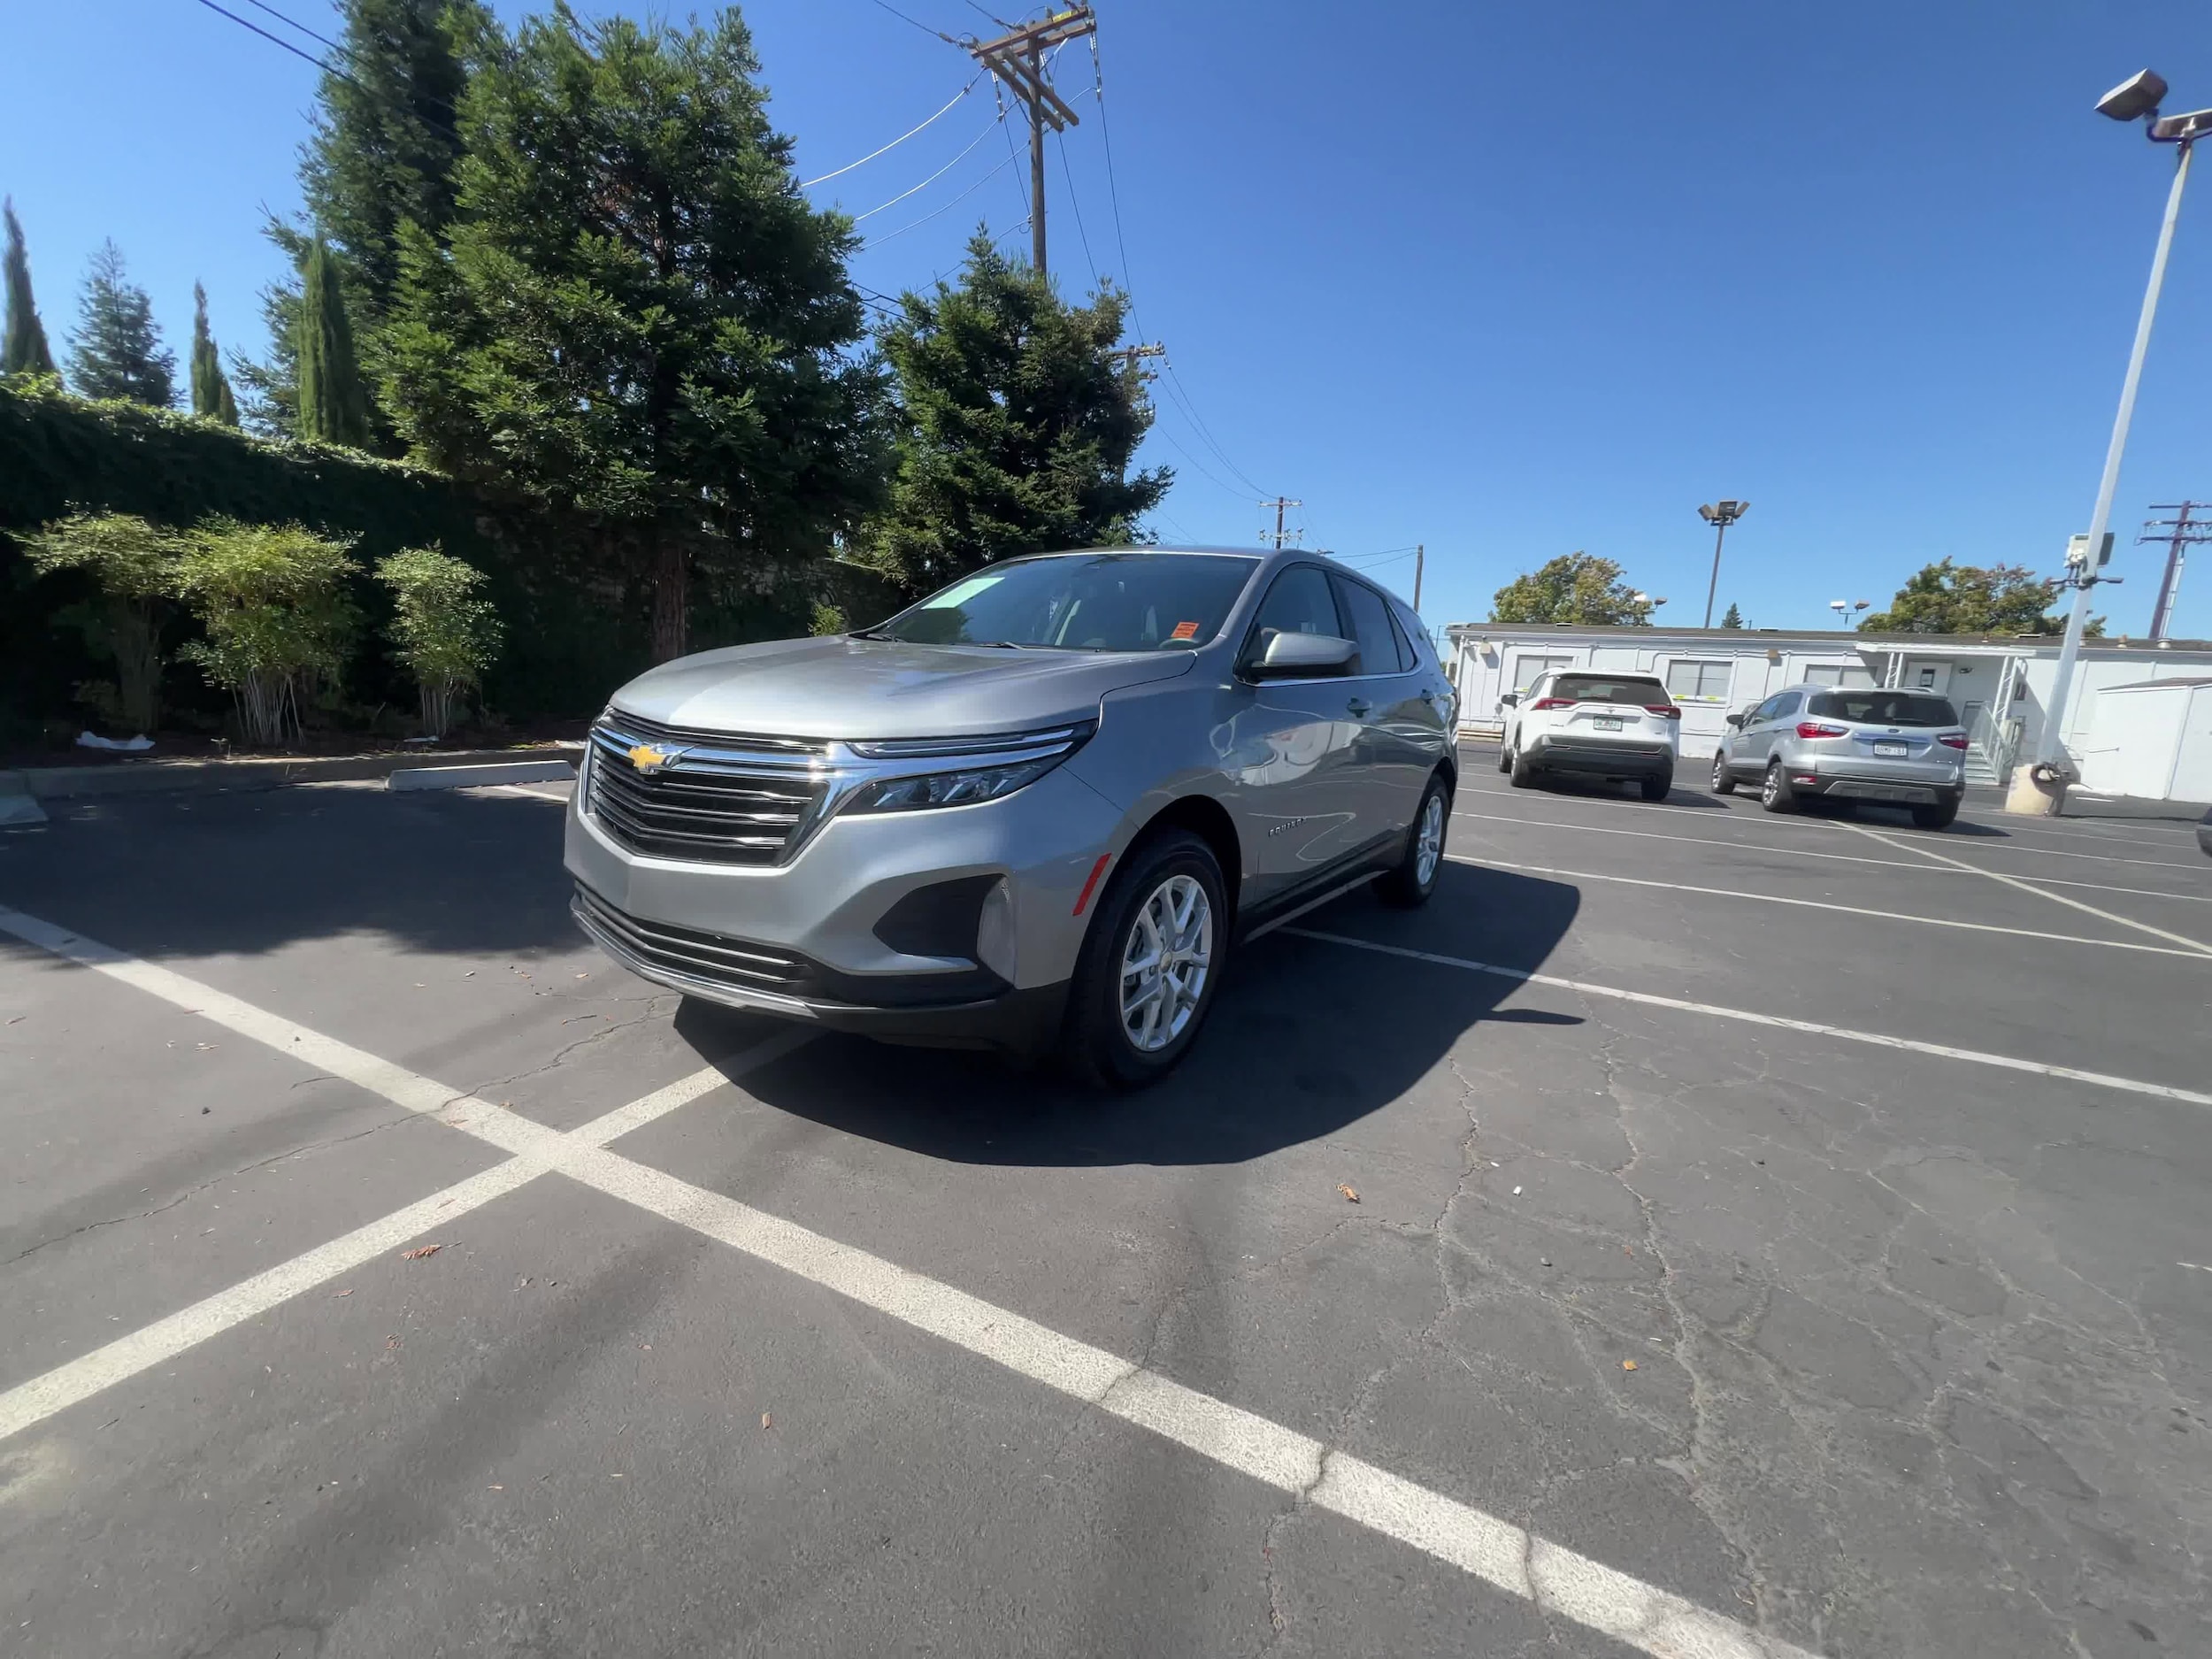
x,y
1299,603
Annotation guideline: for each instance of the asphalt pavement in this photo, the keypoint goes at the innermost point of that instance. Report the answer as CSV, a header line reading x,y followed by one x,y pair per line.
x,y
1696,1232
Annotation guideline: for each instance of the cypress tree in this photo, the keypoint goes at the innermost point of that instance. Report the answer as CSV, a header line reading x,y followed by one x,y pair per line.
x,y
117,351
24,350
331,405
211,392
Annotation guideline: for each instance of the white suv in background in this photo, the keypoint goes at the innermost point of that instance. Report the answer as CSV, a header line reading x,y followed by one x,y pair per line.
x,y
1623,726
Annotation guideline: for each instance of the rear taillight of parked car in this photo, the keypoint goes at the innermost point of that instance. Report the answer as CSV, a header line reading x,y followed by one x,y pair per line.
x,y
1952,740
1664,710
1553,703
1817,728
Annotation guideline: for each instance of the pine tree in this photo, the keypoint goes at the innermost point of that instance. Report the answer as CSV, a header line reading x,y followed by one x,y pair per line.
x,y
332,406
211,392
24,350
117,351
387,139
637,315
1733,619
1016,425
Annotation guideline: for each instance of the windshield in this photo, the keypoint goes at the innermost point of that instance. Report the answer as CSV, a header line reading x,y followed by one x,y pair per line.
x,y
1082,602
1877,707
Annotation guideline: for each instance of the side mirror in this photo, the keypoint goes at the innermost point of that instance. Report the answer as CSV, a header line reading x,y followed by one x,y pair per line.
x,y
1510,698
1737,718
1304,656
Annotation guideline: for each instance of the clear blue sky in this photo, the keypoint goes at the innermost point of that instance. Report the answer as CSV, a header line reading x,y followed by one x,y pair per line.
x,y
1508,280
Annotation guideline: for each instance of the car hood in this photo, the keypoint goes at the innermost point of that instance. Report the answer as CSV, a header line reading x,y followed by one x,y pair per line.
x,y
838,686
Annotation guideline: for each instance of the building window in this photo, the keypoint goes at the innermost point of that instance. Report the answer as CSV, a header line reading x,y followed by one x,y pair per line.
x,y
1707,680
1528,670
1927,678
1845,676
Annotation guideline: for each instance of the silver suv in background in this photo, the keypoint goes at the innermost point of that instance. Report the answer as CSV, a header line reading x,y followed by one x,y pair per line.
x,y
1871,743
1032,813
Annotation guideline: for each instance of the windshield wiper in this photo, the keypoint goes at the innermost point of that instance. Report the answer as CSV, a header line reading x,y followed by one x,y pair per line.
x,y
876,632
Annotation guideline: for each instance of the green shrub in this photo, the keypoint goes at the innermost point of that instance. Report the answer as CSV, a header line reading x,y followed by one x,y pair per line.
x,y
135,565
274,603
445,635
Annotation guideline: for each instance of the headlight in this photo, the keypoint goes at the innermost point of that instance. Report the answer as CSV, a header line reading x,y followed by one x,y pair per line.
x,y
914,773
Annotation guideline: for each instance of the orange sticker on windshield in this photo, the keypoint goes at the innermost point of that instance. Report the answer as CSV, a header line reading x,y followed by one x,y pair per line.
x,y
1184,631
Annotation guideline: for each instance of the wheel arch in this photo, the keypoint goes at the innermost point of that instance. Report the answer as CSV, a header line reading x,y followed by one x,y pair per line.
x,y
1207,818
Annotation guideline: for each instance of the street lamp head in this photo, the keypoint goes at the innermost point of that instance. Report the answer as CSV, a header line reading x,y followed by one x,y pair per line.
x,y
1838,604
2134,98
2181,129
1725,512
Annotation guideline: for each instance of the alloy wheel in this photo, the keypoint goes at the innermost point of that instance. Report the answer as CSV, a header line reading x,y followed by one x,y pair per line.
x,y
1164,963
1430,847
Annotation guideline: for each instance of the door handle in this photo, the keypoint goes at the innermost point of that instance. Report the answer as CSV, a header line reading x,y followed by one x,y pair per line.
x,y
1359,706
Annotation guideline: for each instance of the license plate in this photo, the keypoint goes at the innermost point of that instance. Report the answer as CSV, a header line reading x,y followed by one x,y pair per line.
x,y
1606,722
1892,751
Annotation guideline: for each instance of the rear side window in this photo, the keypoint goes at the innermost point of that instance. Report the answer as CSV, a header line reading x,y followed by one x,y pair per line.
x,y
1371,630
1877,707
1636,688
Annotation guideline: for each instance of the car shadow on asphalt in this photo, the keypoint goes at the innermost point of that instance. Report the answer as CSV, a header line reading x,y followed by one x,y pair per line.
x,y
1304,1038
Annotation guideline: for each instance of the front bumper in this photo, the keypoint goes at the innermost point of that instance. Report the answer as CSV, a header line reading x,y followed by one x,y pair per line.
x,y
834,911
972,1010
1603,760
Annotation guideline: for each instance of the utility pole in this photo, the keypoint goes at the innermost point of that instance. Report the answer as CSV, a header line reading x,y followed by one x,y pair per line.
x,y
1420,558
2184,531
1018,60
1134,354
1278,503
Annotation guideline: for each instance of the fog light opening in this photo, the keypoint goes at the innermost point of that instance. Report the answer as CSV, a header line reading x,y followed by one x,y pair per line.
x,y
994,931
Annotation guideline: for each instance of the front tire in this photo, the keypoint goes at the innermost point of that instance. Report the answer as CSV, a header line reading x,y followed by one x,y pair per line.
x,y
1775,794
1149,965
1524,772
1723,779
1413,877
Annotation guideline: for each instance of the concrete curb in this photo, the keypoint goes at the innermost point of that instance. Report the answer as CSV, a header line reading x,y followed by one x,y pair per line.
x,y
17,808
476,776
208,777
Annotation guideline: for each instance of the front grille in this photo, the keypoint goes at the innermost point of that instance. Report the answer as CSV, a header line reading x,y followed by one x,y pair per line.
x,y
726,798
714,957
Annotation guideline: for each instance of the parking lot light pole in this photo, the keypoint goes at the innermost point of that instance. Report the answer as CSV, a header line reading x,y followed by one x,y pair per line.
x,y
2042,791
1720,515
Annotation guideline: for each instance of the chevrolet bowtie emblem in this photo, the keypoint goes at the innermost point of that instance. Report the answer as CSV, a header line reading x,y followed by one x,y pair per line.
x,y
648,758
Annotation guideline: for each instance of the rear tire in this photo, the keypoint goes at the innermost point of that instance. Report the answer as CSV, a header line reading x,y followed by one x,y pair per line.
x,y
1655,788
1940,816
1723,779
1412,879
1106,997
1505,754
1524,772
1775,794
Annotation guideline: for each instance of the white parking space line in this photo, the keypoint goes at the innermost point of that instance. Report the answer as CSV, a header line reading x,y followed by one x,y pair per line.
x,y
32,1403
536,792
2001,844
1823,905
1881,1040
1807,852
2196,946
1555,1579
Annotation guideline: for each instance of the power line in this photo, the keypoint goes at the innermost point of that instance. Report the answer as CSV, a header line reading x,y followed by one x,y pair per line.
x,y
295,23
933,213
1069,174
933,178
328,69
936,34
808,184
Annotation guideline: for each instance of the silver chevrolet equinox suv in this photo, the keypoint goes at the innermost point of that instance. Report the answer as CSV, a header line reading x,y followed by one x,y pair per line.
x,y
1030,813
